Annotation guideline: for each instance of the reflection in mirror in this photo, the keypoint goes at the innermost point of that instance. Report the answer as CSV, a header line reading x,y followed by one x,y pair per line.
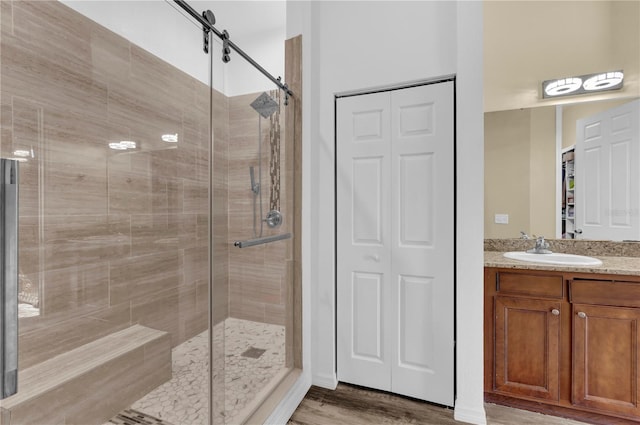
x,y
523,141
522,166
519,172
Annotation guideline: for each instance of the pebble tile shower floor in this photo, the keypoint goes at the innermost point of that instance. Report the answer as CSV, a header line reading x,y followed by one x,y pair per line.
x,y
248,370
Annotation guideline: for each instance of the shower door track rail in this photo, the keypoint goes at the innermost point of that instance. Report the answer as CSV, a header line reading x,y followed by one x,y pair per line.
x,y
206,25
259,241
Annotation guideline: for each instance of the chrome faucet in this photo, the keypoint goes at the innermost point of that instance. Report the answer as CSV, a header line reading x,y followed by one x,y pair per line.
x,y
523,235
542,247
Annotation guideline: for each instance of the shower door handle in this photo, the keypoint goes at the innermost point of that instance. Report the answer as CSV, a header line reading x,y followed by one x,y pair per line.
x,y
8,277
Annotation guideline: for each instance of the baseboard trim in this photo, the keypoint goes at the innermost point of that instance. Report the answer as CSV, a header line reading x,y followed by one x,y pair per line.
x,y
290,401
476,416
564,410
329,382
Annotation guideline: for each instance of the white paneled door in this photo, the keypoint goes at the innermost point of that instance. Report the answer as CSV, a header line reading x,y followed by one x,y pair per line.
x,y
607,175
395,233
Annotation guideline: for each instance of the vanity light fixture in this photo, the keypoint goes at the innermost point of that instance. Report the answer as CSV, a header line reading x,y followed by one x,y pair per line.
x,y
170,138
604,81
583,84
563,86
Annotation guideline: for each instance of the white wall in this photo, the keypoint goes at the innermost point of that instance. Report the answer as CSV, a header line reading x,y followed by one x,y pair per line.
x,y
470,232
155,26
161,28
267,49
368,44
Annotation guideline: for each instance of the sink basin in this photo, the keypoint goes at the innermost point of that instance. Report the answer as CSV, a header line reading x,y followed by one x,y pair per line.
x,y
554,258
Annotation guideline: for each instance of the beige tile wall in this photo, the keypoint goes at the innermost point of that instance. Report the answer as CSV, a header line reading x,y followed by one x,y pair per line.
x,y
257,275
108,239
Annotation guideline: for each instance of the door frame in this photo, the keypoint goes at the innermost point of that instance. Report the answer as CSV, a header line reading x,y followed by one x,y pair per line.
x,y
387,88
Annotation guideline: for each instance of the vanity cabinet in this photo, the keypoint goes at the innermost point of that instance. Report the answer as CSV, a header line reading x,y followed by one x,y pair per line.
x,y
527,341
605,358
605,343
563,343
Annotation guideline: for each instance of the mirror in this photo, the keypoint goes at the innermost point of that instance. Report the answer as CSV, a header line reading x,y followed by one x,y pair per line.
x,y
521,151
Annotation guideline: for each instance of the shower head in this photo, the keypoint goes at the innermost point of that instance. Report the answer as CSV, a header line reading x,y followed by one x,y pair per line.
x,y
265,105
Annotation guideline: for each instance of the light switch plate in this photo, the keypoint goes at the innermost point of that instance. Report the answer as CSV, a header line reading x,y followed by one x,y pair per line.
x,y
502,218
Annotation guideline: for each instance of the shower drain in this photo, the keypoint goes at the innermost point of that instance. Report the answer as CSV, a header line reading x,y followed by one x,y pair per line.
x,y
253,353
134,417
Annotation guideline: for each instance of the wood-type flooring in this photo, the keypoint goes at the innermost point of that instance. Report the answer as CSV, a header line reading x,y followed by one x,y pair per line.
x,y
353,405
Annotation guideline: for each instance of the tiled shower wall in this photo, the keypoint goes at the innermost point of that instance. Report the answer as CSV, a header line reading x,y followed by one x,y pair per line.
x,y
108,239
258,274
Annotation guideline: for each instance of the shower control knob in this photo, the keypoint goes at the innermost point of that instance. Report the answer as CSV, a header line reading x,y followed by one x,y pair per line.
x,y
274,218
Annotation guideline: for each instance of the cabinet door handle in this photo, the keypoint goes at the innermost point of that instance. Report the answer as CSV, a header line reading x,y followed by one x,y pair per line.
x,y
582,314
555,312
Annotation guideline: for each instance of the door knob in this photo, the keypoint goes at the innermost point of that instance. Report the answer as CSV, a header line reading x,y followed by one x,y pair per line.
x,y
555,312
373,257
582,314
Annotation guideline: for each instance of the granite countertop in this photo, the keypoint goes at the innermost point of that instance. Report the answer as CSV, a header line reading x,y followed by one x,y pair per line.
x,y
610,265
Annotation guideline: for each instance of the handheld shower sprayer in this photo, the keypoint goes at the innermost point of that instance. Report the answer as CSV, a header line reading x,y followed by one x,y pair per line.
x,y
255,186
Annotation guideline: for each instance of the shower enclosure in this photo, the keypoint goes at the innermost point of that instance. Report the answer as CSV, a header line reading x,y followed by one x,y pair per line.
x,y
144,288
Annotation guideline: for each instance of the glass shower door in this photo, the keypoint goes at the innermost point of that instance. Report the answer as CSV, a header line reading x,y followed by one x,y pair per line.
x,y
114,213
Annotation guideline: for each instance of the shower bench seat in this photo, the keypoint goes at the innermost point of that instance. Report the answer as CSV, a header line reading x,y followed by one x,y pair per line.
x,y
92,383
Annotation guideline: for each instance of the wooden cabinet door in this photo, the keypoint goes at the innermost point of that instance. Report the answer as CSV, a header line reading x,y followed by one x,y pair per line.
x,y
605,358
527,347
